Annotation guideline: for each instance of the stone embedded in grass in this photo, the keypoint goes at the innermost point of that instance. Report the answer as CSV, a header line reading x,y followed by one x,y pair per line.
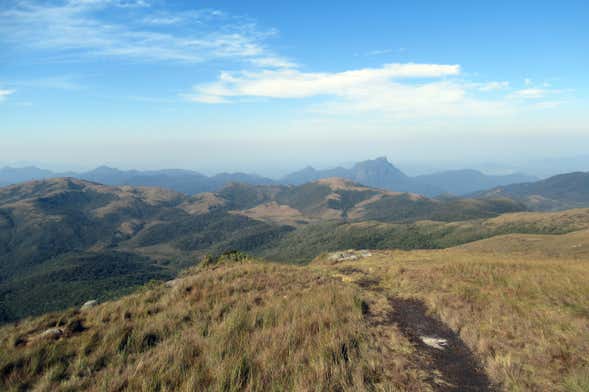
x,y
437,343
89,304
51,333
173,282
348,255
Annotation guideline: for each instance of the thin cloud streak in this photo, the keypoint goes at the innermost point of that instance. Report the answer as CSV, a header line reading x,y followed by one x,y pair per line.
x,y
74,30
5,93
292,83
61,82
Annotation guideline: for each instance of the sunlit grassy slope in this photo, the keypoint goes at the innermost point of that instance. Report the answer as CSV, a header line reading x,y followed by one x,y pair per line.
x,y
524,311
233,326
304,244
249,325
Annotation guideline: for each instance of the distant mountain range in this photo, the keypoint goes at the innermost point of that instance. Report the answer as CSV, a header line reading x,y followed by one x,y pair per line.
x,y
464,182
185,181
377,173
555,193
380,173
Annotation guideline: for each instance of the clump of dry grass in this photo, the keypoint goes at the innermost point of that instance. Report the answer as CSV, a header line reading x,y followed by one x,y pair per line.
x,y
525,316
230,326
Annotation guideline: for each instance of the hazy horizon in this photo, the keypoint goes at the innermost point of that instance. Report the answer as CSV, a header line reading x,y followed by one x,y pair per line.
x,y
541,167
271,88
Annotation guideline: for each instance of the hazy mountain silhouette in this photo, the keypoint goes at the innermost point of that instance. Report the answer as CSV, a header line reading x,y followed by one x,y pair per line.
x,y
462,182
376,173
555,193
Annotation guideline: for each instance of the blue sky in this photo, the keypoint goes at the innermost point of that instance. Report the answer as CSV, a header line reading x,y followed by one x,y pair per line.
x,y
271,86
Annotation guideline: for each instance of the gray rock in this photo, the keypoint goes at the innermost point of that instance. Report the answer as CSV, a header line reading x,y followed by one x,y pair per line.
x,y
173,282
51,333
89,304
348,255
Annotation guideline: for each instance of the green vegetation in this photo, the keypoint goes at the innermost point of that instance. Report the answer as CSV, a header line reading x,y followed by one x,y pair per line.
x,y
65,241
304,244
409,208
243,196
348,199
72,279
308,198
560,192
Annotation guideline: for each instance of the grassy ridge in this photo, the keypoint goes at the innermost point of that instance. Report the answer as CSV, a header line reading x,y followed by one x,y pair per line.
x,y
304,244
525,316
237,324
230,326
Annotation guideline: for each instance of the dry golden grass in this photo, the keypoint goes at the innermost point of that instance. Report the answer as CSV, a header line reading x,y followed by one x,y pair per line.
x,y
202,203
276,213
569,220
573,245
241,326
526,316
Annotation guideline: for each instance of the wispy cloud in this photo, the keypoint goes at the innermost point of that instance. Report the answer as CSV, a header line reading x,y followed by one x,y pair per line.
x,y
406,90
378,52
494,86
533,91
292,83
166,18
530,93
60,82
76,29
5,93
541,96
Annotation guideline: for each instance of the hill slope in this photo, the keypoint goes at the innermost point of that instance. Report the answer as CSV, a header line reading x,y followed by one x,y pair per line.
x,y
447,320
305,243
63,241
464,182
340,199
560,192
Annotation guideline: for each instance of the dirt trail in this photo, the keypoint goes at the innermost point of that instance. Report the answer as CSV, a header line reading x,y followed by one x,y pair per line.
x,y
455,364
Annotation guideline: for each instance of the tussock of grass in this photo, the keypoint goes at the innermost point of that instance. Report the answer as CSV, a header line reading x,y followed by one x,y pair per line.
x,y
231,326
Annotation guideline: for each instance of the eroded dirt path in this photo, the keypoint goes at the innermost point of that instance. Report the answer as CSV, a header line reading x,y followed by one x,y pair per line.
x,y
454,367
